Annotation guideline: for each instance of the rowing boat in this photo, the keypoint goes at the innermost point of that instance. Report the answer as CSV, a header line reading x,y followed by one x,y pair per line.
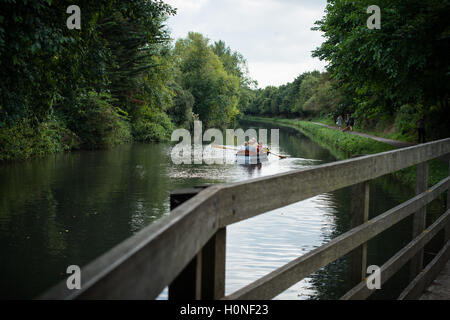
x,y
249,153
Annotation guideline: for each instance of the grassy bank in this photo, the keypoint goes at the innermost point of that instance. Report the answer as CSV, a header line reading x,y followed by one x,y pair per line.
x,y
344,145
383,130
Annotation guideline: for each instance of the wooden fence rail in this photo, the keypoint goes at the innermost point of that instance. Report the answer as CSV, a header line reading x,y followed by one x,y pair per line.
x,y
186,249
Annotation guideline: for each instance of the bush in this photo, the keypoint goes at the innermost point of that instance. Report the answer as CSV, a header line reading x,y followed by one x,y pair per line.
x,y
98,123
152,127
24,140
406,120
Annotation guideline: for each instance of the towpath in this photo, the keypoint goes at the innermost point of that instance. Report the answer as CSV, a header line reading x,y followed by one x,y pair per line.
x,y
395,143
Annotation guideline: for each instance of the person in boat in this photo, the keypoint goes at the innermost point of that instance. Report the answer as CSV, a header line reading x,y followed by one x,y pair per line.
x,y
252,145
253,148
246,147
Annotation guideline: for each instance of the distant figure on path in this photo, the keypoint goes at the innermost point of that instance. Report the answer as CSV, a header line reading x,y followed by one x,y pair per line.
x,y
339,122
347,119
421,130
350,122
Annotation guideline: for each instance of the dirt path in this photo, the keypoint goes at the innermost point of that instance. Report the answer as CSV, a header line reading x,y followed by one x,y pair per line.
x,y
395,143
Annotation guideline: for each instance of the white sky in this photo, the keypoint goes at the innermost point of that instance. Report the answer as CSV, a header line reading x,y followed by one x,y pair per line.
x,y
273,35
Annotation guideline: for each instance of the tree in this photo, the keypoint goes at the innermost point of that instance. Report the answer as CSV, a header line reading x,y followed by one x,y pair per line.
x,y
136,37
235,64
325,99
307,89
406,61
182,106
216,92
310,94
41,60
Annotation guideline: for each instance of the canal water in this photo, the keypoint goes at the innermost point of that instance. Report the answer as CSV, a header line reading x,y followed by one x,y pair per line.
x,y
70,208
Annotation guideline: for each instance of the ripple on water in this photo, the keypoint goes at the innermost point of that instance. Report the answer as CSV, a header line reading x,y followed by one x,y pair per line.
x,y
257,246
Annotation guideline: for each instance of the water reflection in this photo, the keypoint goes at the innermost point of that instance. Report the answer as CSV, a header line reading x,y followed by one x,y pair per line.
x,y
70,208
251,168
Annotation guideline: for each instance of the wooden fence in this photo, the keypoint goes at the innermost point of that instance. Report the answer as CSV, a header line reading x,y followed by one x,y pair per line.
x,y
186,250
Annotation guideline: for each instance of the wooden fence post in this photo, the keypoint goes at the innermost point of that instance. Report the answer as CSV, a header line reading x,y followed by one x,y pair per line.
x,y
187,285
419,218
213,267
359,214
204,277
447,227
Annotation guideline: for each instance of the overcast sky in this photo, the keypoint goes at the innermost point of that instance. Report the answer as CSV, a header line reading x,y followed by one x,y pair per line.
x,y
273,35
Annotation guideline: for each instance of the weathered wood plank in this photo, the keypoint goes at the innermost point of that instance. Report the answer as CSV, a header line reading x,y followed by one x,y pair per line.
x,y
359,214
427,275
447,228
394,264
284,277
250,198
213,267
187,285
419,218
204,276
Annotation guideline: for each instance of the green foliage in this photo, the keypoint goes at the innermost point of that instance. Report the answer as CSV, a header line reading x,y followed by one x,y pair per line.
x,y
181,109
42,60
324,100
405,62
311,94
23,140
235,64
387,78
405,120
118,76
98,123
202,73
48,69
135,39
152,126
308,88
